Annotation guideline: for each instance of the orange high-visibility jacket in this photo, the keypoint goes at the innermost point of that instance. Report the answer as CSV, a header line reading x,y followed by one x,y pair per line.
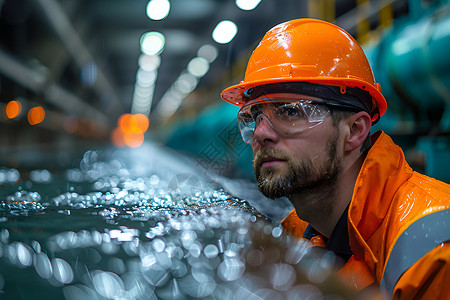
x,y
398,226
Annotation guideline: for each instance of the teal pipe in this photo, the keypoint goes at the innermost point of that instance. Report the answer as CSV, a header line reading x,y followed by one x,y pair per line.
x,y
412,64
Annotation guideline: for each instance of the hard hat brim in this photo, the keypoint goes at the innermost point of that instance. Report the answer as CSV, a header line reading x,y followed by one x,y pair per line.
x,y
235,94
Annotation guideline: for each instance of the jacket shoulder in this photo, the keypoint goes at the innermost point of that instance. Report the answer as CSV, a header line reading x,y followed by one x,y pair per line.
x,y
294,225
427,278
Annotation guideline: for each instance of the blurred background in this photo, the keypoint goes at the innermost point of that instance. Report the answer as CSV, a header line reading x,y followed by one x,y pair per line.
x,y
82,74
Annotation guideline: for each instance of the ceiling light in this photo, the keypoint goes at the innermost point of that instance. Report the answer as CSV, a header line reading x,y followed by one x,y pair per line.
x,y
224,32
152,43
149,62
247,4
198,66
185,83
208,52
158,9
145,78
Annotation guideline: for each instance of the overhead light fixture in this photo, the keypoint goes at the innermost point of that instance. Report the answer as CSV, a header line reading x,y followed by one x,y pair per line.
x,y
198,66
224,32
208,52
158,9
247,4
185,83
149,62
152,43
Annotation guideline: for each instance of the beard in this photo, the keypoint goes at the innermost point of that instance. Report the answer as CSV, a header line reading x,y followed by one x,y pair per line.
x,y
305,177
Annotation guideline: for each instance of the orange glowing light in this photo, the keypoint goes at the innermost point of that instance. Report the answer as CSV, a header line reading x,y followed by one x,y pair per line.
x,y
117,138
13,109
36,115
129,122
132,128
142,122
134,139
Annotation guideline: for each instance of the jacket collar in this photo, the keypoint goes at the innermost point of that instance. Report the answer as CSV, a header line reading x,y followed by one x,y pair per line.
x,y
381,174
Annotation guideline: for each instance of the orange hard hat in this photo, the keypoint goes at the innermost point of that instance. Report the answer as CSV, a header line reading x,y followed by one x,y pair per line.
x,y
308,50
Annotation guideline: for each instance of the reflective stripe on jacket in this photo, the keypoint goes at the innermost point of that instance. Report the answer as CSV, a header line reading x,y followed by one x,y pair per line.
x,y
399,227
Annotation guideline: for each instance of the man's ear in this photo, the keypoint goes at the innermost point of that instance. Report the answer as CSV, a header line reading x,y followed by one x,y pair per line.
x,y
359,125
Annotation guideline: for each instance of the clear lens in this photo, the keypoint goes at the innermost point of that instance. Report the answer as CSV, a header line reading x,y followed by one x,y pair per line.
x,y
286,117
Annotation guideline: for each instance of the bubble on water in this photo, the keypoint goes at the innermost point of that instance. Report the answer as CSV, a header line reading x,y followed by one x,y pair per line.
x,y
41,176
158,245
154,180
211,251
62,271
107,284
173,251
195,249
277,231
135,287
4,236
43,265
187,238
155,275
24,254
296,251
178,269
9,175
74,175
282,276
36,246
230,269
242,230
199,287
116,265
110,248
163,259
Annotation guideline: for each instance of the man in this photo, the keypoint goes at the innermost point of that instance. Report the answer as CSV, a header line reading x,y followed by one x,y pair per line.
x,y
308,101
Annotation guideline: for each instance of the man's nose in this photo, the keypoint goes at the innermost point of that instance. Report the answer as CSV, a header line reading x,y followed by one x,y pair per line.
x,y
264,132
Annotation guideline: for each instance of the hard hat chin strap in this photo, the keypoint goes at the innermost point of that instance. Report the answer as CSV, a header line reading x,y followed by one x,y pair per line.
x,y
353,98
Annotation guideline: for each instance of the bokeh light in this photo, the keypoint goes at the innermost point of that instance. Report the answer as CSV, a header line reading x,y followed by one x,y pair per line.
x,y
134,138
208,52
158,9
198,66
71,124
141,122
117,138
224,32
36,115
247,4
152,43
13,109
130,130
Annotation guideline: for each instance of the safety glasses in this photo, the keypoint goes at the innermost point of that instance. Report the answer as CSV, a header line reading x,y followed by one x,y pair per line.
x,y
285,116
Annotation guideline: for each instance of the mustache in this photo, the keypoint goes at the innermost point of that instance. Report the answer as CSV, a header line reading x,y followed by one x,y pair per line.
x,y
268,152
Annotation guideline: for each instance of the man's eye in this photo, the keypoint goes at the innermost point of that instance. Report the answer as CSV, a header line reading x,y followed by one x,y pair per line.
x,y
246,118
254,113
289,111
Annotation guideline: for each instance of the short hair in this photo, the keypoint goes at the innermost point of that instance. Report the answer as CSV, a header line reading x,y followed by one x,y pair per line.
x,y
337,115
